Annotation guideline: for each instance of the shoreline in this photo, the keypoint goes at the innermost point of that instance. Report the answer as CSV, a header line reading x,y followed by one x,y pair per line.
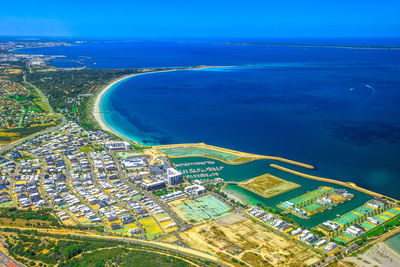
x,y
97,109
393,251
380,254
235,196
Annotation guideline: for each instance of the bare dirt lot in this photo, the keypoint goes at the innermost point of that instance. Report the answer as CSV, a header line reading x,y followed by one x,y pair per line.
x,y
247,241
267,185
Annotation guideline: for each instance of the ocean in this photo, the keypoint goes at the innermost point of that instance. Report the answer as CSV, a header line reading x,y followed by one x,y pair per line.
x,y
238,173
335,108
394,243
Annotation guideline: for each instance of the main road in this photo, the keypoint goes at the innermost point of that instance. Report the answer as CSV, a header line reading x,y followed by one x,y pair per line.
x,y
171,247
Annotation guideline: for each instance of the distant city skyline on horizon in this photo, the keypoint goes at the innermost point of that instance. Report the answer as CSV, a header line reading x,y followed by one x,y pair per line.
x,y
182,19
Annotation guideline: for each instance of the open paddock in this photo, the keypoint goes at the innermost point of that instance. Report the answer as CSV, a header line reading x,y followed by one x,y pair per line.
x,y
151,227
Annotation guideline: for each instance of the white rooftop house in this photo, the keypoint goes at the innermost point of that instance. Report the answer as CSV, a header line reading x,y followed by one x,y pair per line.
x,y
354,231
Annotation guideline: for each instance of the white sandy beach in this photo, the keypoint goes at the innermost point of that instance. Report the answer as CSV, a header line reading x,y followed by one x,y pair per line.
x,y
96,107
236,196
379,254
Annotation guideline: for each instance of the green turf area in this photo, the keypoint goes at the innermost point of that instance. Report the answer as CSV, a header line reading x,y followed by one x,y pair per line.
x,y
312,208
348,236
393,211
284,206
368,225
124,155
380,219
5,204
198,151
86,149
201,209
347,218
363,210
309,196
340,240
139,196
386,215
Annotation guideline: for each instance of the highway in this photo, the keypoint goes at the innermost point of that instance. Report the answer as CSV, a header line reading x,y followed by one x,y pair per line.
x,y
5,260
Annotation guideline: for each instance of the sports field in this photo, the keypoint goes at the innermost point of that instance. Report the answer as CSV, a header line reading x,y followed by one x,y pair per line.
x,y
313,208
267,185
124,155
201,209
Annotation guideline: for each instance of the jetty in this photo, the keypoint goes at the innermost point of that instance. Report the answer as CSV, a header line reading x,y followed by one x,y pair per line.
x,y
327,180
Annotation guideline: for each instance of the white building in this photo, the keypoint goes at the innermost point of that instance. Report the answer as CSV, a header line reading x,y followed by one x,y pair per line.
x,y
174,176
118,145
354,231
195,190
133,163
331,225
331,246
320,243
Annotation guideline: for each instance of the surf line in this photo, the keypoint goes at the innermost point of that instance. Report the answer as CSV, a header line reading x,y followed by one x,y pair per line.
x,y
367,99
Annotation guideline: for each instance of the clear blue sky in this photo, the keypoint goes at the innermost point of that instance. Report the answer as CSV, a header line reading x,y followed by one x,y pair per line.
x,y
205,18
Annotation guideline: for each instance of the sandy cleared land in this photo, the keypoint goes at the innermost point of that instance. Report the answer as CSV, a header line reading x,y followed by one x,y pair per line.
x,y
379,254
247,241
230,219
267,185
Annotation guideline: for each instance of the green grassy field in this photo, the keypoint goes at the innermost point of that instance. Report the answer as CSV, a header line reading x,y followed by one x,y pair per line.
x,y
201,209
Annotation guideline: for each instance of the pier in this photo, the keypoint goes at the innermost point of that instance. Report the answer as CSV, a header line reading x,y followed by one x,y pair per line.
x,y
327,180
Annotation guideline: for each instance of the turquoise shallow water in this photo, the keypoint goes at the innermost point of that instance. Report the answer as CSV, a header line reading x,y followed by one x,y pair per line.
x,y
239,173
349,135
336,109
394,243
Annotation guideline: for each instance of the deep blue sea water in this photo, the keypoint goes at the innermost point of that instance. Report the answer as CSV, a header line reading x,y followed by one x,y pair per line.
x,y
337,109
